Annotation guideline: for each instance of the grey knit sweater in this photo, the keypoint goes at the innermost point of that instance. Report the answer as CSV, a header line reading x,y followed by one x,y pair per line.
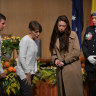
x,y
27,59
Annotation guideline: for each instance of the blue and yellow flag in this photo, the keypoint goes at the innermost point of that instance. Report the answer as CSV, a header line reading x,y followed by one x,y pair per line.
x,y
92,10
93,6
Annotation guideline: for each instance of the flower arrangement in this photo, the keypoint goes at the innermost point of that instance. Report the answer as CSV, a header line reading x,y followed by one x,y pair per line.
x,y
10,83
9,44
47,74
84,74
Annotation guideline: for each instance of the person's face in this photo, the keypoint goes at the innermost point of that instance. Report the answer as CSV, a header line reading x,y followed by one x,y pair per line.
x,y
61,26
2,24
35,34
94,20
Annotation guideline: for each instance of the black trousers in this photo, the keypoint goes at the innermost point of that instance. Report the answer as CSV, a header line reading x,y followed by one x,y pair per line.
x,y
1,87
91,88
25,89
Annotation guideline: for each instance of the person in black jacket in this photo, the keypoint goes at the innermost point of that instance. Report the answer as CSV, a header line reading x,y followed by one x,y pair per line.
x,y
89,51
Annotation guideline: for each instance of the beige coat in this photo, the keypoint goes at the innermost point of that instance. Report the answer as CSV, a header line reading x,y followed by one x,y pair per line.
x,y
71,73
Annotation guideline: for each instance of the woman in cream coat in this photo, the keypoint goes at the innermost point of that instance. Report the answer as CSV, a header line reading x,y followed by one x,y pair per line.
x,y
65,51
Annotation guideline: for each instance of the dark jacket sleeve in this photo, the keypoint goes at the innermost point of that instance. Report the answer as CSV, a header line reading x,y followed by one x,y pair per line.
x,y
84,45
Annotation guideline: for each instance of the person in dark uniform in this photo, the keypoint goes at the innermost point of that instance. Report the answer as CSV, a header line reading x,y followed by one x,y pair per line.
x,y
89,51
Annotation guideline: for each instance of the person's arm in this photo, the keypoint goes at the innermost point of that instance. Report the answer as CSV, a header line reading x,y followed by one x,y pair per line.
x,y
1,69
23,48
54,56
35,66
2,74
85,47
75,53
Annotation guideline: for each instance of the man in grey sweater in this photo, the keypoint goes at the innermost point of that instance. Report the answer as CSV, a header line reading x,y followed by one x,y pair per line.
x,y
2,75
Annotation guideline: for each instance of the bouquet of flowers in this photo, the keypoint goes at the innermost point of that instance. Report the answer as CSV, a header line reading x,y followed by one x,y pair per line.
x,y
9,44
47,74
10,83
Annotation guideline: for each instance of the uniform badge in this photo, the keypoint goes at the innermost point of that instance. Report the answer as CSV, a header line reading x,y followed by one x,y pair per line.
x,y
88,36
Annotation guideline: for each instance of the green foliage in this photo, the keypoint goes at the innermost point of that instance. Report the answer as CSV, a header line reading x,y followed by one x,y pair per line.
x,y
11,84
45,74
8,44
84,75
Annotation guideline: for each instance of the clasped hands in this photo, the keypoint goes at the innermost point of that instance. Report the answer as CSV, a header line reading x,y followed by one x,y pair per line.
x,y
92,59
59,63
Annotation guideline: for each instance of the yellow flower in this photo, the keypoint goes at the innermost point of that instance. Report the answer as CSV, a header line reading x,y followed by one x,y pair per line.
x,y
11,76
13,37
8,90
13,84
7,78
83,71
17,37
13,90
8,38
5,37
3,46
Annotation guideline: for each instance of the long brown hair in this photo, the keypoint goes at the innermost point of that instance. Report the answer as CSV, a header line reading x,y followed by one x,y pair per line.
x,y
64,42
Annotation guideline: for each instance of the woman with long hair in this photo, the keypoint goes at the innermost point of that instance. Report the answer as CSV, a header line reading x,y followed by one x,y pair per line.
x,y
65,52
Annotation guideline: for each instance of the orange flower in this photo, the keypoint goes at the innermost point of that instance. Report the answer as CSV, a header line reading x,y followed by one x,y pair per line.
x,y
14,69
82,59
10,69
82,65
6,64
